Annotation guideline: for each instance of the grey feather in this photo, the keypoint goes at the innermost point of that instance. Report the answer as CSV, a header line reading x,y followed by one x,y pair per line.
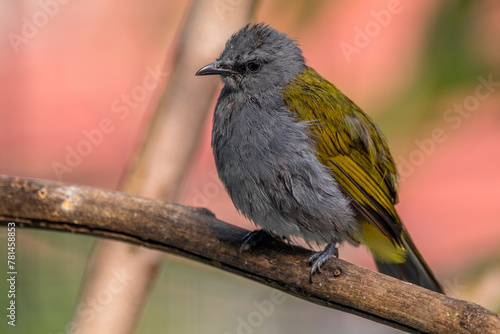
x,y
268,165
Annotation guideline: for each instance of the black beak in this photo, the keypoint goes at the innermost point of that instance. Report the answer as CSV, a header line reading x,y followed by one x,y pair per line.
x,y
214,68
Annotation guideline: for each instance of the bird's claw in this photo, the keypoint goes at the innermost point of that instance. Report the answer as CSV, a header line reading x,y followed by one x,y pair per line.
x,y
251,239
317,259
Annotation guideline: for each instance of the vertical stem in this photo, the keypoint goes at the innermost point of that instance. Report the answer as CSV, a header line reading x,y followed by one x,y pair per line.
x,y
158,172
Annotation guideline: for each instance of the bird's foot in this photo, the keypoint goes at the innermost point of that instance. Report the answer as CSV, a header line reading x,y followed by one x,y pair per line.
x,y
252,239
317,259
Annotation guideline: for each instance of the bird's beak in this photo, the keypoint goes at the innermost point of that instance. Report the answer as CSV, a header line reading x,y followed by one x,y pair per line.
x,y
214,68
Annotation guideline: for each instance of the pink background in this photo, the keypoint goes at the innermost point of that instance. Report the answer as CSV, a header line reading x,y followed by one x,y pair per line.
x,y
64,80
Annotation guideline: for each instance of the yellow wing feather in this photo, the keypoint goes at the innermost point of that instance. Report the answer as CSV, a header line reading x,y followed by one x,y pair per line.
x,y
355,150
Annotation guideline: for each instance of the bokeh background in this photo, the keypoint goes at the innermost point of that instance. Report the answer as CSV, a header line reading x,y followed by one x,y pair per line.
x,y
427,71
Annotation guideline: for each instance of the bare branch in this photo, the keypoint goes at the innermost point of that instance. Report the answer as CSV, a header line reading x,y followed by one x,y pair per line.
x,y
195,233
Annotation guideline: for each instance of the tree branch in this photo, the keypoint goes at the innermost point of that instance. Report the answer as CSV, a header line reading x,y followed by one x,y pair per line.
x,y
195,233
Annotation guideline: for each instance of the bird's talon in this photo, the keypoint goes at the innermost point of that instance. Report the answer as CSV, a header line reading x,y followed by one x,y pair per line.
x,y
317,259
251,239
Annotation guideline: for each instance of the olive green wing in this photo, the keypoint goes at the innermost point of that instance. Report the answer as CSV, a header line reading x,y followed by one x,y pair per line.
x,y
351,145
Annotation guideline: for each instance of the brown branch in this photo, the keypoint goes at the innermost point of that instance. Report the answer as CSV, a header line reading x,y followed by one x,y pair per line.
x,y
195,233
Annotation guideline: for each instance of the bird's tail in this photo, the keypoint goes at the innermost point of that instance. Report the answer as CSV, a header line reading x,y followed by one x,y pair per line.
x,y
401,260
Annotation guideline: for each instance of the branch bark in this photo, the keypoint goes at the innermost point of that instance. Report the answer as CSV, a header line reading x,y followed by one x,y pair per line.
x,y
195,233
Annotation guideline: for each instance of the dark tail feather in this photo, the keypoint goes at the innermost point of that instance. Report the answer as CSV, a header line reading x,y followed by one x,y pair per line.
x,y
415,270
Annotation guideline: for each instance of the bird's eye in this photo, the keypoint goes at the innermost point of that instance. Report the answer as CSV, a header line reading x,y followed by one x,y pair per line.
x,y
254,65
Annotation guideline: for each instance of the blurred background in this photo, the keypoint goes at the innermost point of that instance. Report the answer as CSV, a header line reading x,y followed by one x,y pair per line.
x,y
427,71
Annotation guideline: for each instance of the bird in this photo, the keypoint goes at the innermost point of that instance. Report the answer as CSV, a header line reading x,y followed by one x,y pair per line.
x,y
303,161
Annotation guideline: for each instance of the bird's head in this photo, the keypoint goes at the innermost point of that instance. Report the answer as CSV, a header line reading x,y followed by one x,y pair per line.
x,y
257,58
